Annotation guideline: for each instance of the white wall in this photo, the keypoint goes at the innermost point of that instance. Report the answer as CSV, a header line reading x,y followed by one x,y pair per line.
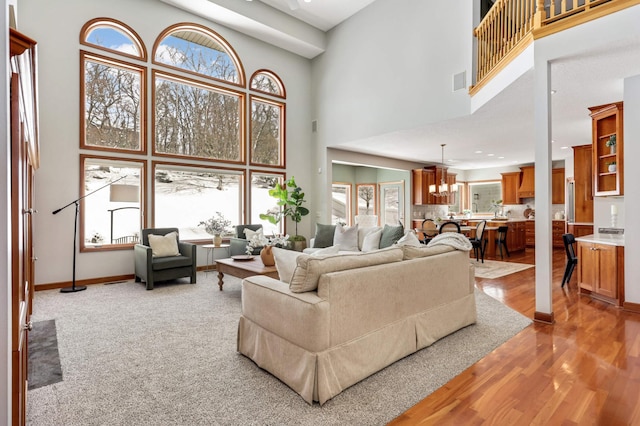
x,y
56,26
389,68
632,195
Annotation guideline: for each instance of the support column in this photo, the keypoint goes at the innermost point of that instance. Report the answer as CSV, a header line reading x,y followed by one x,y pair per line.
x,y
542,138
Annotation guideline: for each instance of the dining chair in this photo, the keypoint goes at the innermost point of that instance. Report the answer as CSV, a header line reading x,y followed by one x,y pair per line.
x,y
478,242
572,260
449,227
501,241
429,229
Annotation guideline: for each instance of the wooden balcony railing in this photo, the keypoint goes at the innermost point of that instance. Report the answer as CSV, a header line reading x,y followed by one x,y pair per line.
x,y
511,25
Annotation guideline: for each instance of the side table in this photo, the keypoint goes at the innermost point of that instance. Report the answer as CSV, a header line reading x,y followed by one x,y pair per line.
x,y
211,250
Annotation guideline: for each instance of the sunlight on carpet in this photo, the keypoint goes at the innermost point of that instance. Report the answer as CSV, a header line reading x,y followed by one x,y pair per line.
x,y
495,269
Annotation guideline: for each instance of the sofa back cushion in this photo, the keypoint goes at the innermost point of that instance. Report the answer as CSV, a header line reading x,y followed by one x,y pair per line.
x,y
391,235
346,237
411,252
286,260
240,230
309,268
324,235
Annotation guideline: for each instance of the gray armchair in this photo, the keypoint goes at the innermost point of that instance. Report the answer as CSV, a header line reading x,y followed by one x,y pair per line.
x,y
153,269
238,244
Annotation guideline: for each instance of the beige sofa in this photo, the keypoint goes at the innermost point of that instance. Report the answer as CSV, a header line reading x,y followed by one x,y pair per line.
x,y
368,311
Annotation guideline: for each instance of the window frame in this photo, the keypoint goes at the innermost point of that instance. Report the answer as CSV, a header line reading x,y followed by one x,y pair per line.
x,y
83,196
114,24
187,26
282,178
282,143
348,201
103,60
272,75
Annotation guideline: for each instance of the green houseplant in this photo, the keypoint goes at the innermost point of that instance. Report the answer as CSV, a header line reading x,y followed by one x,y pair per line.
x,y
289,198
611,143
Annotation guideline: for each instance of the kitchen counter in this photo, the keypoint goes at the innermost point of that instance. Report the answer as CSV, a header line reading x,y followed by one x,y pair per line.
x,y
608,239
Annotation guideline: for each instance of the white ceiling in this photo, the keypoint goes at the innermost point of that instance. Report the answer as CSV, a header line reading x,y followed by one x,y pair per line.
x,y
502,127
322,14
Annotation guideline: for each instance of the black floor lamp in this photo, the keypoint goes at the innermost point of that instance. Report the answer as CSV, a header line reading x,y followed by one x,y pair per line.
x,y
73,287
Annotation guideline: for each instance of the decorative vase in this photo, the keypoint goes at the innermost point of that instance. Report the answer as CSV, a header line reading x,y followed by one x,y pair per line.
x,y
612,168
612,149
217,240
266,255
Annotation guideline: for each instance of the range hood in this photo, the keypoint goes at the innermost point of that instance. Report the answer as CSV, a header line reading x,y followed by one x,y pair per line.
x,y
527,182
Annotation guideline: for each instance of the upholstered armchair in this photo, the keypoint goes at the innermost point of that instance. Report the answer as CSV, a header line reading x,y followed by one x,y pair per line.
x,y
165,258
238,244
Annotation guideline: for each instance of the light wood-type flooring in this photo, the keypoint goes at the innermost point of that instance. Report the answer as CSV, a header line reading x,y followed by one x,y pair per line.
x,y
582,370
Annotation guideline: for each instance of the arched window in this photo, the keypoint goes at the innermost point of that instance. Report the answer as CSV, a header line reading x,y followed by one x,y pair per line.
x,y
198,50
113,36
266,81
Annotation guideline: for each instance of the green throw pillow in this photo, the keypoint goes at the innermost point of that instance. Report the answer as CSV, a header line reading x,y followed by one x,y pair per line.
x,y
324,235
391,235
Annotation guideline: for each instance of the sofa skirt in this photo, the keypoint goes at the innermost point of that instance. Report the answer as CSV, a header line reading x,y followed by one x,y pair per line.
x,y
323,375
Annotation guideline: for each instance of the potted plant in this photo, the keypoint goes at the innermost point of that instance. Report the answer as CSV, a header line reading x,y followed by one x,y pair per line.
x,y
289,198
611,143
216,226
612,166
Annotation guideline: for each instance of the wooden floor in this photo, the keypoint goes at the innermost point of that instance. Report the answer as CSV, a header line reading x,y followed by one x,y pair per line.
x,y
582,370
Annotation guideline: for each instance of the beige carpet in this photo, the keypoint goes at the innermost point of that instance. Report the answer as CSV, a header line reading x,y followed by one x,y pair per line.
x,y
495,269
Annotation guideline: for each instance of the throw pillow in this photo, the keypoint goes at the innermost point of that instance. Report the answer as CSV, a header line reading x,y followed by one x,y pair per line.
x,y
286,260
372,240
324,235
250,234
164,245
409,239
391,235
346,237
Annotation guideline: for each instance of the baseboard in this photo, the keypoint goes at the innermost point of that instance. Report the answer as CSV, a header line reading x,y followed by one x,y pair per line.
x,y
544,317
631,307
89,281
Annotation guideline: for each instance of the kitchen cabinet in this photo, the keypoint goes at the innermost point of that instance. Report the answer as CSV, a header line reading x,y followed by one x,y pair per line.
x,y
607,125
423,178
527,182
510,185
557,186
530,233
579,230
557,230
515,234
601,271
583,184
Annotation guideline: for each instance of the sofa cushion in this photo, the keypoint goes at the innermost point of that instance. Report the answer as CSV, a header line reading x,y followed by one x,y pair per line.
x,y
391,235
363,231
371,240
241,228
310,268
164,245
250,234
346,237
409,239
286,260
410,252
170,262
324,235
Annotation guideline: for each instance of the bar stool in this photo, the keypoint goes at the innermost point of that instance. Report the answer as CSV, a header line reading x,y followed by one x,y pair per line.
x,y
572,260
501,240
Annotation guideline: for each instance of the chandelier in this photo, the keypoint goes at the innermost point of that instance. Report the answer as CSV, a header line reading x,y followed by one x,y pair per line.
x,y
443,189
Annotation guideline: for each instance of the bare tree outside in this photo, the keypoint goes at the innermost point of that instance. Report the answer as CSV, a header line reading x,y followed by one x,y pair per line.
x,y
112,106
265,133
367,194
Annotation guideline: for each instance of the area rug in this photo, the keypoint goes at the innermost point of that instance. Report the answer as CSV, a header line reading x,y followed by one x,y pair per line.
x,y
44,362
495,269
168,356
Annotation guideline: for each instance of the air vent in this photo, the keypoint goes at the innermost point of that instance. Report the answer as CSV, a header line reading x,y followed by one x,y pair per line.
x,y
612,231
460,81
314,126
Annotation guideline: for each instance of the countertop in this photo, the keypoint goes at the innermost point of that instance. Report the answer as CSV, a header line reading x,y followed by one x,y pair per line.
x,y
608,239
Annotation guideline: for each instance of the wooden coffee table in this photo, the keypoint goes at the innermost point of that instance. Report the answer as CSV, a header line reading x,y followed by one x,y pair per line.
x,y
243,269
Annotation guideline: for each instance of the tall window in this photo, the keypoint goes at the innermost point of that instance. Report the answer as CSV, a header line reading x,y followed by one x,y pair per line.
x,y
111,208
209,127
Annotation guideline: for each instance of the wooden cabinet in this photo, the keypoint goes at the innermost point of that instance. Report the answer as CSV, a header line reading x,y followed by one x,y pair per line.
x,y
601,271
530,233
557,186
557,230
527,182
422,179
510,185
579,230
608,161
583,184
516,236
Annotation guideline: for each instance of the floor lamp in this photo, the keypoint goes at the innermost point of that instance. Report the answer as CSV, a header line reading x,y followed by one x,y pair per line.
x,y
73,287
123,194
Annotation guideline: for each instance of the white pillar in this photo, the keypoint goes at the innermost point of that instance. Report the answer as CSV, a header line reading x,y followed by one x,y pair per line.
x,y
542,137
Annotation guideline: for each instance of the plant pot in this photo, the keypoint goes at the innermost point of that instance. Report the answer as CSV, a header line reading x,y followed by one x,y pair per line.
x,y
299,245
217,240
612,149
266,255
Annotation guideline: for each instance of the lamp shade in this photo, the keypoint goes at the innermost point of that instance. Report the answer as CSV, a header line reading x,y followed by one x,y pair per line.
x,y
124,193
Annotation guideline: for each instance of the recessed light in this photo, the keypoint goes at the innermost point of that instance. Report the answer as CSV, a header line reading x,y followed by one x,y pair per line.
x,y
552,141
501,158
478,152
553,92
564,147
490,155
